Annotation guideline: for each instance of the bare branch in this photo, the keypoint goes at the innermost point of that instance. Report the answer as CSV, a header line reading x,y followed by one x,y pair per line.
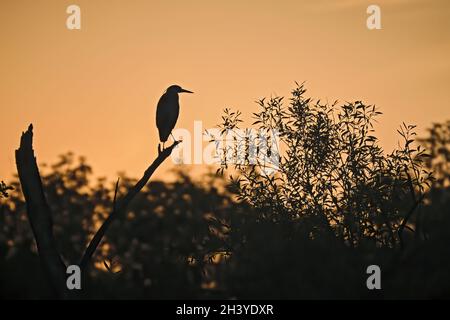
x,y
122,205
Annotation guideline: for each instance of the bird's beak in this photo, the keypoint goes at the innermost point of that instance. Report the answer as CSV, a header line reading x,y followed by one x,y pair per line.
x,y
184,90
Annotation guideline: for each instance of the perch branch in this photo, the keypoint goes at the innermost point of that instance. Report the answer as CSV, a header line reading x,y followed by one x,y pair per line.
x,y
39,214
121,206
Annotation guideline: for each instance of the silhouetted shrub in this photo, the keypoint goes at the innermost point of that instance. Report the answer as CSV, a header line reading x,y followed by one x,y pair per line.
x,y
336,204
332,176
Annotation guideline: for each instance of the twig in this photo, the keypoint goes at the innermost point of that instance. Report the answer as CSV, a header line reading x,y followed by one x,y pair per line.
x,y
115,194
407,217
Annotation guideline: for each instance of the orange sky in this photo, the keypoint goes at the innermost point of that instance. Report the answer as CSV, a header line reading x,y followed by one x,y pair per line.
x,y
94,91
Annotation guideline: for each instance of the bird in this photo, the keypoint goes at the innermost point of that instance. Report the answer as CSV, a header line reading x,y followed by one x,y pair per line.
x,y
167,112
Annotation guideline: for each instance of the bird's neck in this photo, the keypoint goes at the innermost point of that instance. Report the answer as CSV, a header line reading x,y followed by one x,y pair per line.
x,y
172,94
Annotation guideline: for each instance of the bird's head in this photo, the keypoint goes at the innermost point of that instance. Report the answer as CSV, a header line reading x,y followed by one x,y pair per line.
x,y
177,89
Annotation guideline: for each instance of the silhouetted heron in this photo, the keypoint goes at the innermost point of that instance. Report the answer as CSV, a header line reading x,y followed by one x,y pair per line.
x,y
167,112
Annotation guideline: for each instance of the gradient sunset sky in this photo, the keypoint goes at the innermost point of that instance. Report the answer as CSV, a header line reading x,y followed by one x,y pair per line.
x,y
94,91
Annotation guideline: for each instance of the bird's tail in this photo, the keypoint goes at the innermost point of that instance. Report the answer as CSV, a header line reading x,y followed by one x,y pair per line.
x,y
163,137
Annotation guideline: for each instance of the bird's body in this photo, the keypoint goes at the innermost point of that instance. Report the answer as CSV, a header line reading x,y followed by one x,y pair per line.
x,y
167,111
167,115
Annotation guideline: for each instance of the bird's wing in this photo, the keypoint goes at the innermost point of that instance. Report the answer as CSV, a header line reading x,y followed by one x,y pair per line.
x,y
174,112
162,114
166,115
